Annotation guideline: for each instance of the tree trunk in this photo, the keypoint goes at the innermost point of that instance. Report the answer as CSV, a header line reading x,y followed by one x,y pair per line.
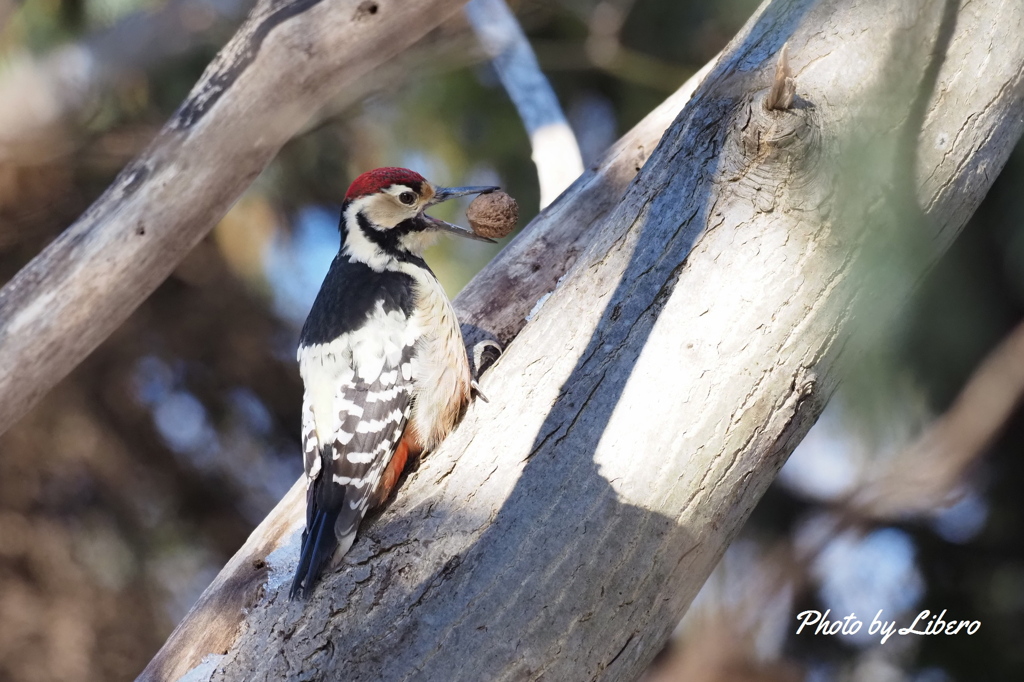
x,y
563,529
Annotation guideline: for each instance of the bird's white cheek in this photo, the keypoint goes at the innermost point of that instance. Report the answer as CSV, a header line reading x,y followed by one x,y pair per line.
x,y
385,213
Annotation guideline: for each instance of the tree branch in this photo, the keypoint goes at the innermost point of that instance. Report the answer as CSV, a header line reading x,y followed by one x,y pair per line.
x,y
555,152
287,59
562,530
924,475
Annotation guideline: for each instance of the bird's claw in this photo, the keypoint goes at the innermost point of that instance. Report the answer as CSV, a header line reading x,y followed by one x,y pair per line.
x,y
485,354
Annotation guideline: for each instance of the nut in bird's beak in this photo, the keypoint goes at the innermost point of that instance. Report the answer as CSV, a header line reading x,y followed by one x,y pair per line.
x,y
446,193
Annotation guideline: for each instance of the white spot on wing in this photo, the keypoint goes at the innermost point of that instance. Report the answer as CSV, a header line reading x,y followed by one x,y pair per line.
x,y
385,396
375,425
347,407
359,457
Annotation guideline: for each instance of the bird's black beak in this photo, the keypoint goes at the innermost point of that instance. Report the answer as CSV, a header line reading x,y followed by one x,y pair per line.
x,y
442,226
446,193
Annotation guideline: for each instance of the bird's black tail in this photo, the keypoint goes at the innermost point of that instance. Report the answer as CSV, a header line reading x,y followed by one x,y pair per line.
x,y
318,545
331,524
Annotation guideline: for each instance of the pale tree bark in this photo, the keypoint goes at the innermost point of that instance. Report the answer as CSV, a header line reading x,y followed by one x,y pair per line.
x,y
563,529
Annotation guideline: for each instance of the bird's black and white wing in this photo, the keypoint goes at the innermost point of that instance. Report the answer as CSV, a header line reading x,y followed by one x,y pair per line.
x,y
356,406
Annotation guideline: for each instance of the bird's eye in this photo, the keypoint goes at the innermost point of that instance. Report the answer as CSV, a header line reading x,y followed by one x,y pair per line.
x,y
407,198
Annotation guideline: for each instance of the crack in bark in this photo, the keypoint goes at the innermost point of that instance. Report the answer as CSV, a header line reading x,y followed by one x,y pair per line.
x,y
579,411
229,66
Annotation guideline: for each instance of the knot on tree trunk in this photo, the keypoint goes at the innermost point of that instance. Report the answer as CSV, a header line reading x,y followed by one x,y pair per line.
x,y
777,140
776,143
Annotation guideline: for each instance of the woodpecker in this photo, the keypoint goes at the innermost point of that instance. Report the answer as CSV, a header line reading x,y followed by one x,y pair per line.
x,y
381,357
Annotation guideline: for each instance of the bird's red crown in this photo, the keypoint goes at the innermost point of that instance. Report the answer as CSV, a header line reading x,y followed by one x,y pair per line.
x,y
378,179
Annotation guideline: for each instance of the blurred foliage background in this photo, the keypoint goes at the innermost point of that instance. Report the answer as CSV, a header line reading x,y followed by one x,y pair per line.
x,y
125,490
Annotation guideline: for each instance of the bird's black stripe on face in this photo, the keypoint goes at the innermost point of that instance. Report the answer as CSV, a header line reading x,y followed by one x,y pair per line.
x,y
362,287
390,240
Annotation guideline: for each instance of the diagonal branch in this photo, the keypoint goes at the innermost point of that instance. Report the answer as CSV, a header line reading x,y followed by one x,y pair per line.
x,y
555,152
924,476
